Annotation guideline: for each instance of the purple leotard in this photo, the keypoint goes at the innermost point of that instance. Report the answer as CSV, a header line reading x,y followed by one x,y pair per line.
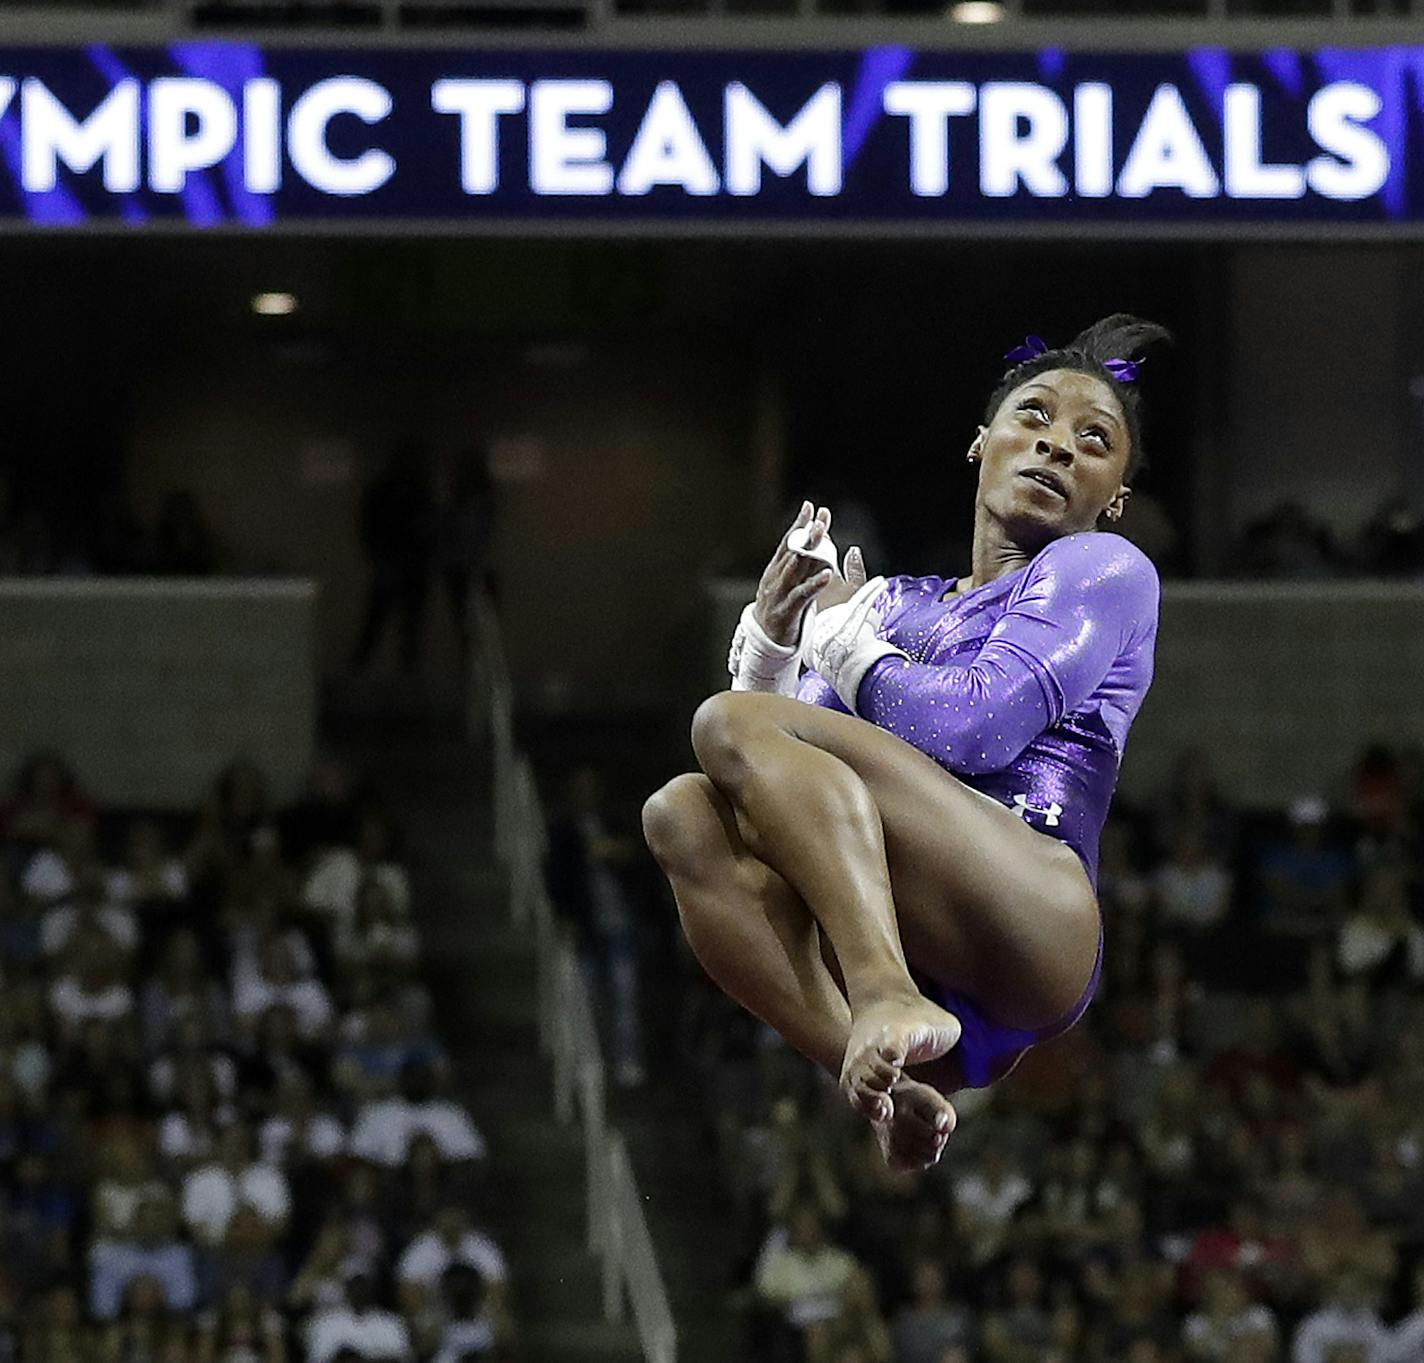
x,y
1025,689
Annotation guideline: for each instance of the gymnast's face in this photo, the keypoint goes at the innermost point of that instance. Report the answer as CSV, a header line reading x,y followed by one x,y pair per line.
x,y
1053,458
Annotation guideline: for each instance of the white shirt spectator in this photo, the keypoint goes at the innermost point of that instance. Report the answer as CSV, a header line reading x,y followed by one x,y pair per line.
x,y
253,995
212,1194
461,1338
372,1333
324,1138
1363,944
1322,1330
179,1139
57,927
1213,1338
47,877
336,879
76,1005
385,1126
1406,1343
331,887
994,1203
428,1256
1195,896
28,1065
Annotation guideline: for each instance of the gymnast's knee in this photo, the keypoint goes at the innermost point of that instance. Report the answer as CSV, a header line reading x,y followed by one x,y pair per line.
x,y
675,825
720,734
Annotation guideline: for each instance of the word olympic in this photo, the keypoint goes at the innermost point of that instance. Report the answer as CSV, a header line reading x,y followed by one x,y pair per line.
x,y
1018,138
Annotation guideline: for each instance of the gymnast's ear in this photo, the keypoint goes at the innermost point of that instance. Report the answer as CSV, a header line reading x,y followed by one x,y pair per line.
x,y
976,450
1114,508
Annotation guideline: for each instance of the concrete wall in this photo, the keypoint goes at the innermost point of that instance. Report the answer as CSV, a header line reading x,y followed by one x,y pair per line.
x,y
150,688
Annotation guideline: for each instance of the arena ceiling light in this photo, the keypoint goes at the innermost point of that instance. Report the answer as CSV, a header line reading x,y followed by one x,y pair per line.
x,y
274,304
976,12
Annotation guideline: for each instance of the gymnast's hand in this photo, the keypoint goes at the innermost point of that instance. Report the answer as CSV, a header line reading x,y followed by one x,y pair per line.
x,y
791,581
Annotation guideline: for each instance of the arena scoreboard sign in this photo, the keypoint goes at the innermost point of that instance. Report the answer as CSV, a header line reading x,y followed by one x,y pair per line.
x,y
221,133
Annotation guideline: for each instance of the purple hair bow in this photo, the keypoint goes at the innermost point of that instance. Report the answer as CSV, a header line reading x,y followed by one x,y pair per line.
x,y
1031,349
1124,371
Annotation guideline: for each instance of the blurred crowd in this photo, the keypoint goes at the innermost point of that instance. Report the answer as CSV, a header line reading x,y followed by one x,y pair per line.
x,y
1224,1163
226,1134
1292,541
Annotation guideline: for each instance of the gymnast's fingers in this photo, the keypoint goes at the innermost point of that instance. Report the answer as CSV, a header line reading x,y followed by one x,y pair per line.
x,y
799,596
802,517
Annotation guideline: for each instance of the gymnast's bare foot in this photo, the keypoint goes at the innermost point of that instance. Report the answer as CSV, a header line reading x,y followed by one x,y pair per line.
x,y
884,1039
914,1137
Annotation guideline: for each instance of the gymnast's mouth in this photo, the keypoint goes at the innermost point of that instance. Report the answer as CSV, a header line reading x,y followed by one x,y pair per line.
x,y
1049,479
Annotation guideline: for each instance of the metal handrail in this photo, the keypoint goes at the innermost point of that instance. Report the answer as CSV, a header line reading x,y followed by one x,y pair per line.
x,y
617,1228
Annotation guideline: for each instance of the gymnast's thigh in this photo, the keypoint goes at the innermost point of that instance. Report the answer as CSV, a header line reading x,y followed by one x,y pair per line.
x,y
986,905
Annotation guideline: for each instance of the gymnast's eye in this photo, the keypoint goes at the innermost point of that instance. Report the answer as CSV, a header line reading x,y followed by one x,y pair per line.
x,y
1035,406
1101,436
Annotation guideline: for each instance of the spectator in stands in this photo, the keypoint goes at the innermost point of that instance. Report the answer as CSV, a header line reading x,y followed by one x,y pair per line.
x,y
397,529
24,1058
1019,1330
278,982
987,1200
930,1323
1381,939
1304,878
464,530
857,1332
1194,798
183,1004
236,815
358,1324
469,1328
1348,1319
93,987
801,1276
241,1330
586,860
1192,888
46,796
151,1252
126,1185
378,933
149,874
1288,542
300,1130
1226,1320
385,1127
213,1192
247,1257
188,1132
451,1240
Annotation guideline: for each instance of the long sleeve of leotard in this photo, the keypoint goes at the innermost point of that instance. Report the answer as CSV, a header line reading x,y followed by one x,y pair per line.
x,y
1083,602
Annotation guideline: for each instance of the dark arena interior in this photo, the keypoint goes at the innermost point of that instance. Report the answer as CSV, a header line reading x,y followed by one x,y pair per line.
x,y
403,402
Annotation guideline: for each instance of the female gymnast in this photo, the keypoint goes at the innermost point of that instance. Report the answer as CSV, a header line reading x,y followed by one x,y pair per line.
x,y
890,854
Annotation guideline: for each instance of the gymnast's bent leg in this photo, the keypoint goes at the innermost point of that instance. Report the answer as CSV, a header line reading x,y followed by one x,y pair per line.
x,y
756,938
896,857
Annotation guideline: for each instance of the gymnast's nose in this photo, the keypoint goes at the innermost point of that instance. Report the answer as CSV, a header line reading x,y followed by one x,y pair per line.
x,y
1053,449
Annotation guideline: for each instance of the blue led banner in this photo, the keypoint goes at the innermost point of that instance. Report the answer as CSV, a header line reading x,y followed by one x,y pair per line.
x,y
229,133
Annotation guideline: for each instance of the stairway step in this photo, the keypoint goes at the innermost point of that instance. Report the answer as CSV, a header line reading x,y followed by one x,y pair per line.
x,y
580,1341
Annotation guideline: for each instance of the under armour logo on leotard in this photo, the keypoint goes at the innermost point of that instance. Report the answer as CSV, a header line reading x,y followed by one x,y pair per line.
x,y
1050,815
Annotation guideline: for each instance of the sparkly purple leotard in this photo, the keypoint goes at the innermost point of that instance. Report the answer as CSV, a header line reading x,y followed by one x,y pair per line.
x,y
1025,689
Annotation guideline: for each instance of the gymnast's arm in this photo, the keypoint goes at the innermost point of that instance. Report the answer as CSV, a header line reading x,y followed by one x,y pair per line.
x,y
1082,603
